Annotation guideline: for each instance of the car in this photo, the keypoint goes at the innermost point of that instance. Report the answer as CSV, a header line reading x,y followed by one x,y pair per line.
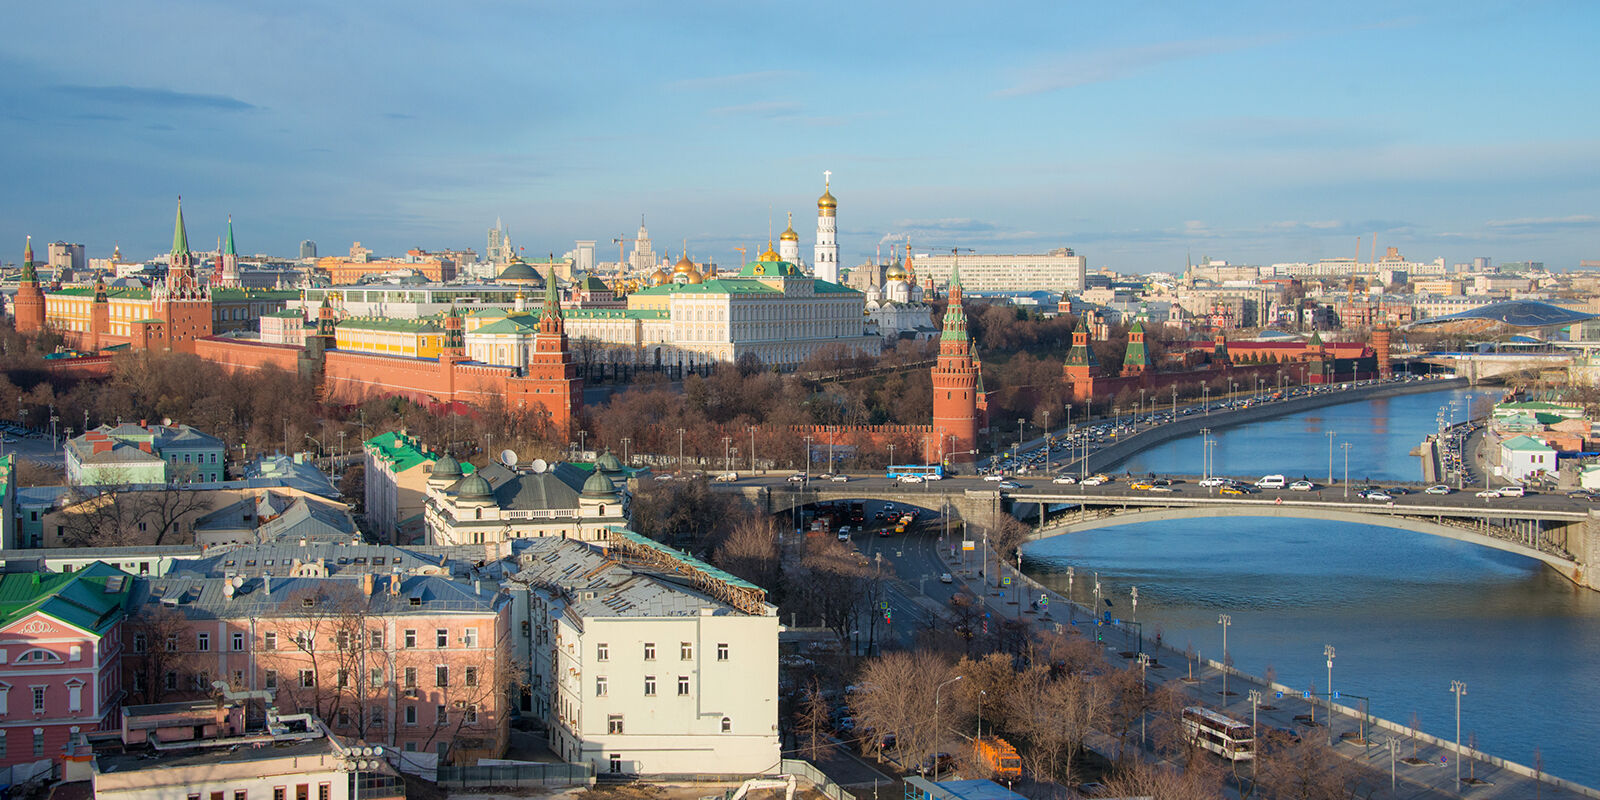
x,y
798,477
1271,482
911,479
1064,479
1238,489
1438,488
1302,486
844,534
1374,494
1010,485
1162,488
727,477
1580,495
1512,491
994,476
1213,482
1397,490
1489,494
826,476
945,577
1141,486
933,476
840,479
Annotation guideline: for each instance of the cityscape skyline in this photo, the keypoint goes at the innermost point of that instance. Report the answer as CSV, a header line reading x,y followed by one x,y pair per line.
x,y
1247,132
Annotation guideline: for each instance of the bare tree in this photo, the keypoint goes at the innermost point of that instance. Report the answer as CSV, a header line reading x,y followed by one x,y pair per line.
x,y
1304,770
1199,781
811,722
161,658
123,516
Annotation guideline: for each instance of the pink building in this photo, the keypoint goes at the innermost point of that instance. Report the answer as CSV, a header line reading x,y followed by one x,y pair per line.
x,y
419,663
60,659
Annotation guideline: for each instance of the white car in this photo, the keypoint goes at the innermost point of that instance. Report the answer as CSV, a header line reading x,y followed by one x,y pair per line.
x,y
1438,488
826,476
1213,482
911,479
1064,479
994,476
1512,491
933,476
1010,485
840,479
1094,480
945,577
798,477
727,477
1302,486
1488,493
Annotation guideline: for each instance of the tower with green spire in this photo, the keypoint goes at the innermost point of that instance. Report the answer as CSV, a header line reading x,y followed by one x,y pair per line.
x,y
182,303
1082,367
1137,358
230,259
28,307
955,384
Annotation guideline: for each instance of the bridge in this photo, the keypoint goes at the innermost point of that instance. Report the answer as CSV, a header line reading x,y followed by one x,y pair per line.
x,y
1561,532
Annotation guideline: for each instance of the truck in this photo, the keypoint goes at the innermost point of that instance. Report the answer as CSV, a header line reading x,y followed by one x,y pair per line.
x,y
999,757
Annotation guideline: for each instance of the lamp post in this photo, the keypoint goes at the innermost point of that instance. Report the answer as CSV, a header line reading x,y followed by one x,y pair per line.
x,y
1144,690
1205,398
1327,650
1071,598
1096,610
626,455
1346,447
1330,458
54,418
1255,754
1135,592
936,723
752,448
1021,423
1046,448
891,454
1458,688
680,449
727,463
1141,408
808,461
1226,621
981,694
833,431
1174,403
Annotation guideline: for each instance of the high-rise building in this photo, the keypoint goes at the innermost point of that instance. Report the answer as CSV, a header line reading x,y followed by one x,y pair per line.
x,y
1059,270
308,249
67,256
825,258
1479,263
499,251
644,258
583,256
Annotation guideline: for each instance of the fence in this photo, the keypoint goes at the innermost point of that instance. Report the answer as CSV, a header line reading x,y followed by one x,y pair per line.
x,y
824,784
516,775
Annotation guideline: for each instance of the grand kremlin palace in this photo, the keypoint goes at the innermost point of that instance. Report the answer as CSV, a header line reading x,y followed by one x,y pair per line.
x,y
771,309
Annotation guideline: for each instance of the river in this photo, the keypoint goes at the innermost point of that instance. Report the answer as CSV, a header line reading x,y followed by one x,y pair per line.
x,y
1407,613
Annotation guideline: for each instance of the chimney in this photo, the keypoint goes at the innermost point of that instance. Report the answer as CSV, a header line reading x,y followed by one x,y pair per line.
x,y
266,584
366,584
145,446
144,423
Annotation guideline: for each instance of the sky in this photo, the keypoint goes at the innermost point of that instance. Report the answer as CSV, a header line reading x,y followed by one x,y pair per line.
x,y
1140,134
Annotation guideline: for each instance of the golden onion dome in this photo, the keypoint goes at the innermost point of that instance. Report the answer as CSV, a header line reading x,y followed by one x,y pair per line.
x,y
826,201
789,235
770,254
659,277
684,265
895,273
696,277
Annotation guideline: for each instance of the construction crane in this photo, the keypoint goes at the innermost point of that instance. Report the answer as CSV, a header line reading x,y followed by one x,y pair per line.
x,y
741,257
622,242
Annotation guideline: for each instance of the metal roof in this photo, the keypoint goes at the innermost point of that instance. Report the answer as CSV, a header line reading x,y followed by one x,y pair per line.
x,y
1516,313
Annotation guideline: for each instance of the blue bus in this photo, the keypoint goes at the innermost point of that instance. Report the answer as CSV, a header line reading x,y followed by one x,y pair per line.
x,y
926,471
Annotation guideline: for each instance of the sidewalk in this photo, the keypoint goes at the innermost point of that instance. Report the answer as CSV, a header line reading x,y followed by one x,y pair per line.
x,y
1433,774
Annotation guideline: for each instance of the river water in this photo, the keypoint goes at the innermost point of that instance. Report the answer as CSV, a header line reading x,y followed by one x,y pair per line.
x,y
1407,613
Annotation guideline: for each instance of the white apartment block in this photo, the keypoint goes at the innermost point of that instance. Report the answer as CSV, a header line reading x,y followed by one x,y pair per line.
x,y
647,661
1059,270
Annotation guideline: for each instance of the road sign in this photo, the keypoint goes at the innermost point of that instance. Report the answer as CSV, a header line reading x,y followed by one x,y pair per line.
x,y
1005,580
968,544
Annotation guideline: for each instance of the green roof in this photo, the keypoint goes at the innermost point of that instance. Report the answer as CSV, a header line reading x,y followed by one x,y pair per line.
x,y
616,313
92,598
829,287
520,324
180,236
88,291
1526,444
770,269
391,324
227,249
713,286
223,295
407,454
285,314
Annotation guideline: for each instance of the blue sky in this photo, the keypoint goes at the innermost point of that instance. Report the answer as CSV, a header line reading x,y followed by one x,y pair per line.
x,y
1133,132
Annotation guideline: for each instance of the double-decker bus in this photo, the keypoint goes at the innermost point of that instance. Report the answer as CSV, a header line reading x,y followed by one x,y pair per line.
x,y
924,471
1221,734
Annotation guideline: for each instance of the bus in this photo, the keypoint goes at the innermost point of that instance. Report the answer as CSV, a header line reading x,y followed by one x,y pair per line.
x,y
1221,734
925,471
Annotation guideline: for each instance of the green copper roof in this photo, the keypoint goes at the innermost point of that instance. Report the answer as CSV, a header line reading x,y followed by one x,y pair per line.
x,y
1316,339
955,318
770,269
227,249
713,286
617,313
1136,354
88,291
523,324
1526,444
92,598
228,295
1081,355
955,276
552,301
180,236
390,324
407,454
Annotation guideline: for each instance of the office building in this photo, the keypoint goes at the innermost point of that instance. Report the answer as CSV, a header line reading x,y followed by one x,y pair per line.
x,y
1059,270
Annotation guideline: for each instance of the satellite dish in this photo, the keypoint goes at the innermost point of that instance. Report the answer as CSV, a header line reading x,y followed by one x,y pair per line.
x,y
166,421
238,581
539,466
508,457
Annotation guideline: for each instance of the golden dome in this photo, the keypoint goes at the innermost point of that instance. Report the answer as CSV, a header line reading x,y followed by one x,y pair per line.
x,y
826,201
696,277
789,235
895,273
770,254
659,277
684,265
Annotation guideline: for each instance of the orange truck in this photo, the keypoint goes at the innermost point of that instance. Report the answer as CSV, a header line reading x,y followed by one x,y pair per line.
x,y
999,757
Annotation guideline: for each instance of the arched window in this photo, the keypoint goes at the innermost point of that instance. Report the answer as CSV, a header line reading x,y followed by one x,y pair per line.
x,y
727,725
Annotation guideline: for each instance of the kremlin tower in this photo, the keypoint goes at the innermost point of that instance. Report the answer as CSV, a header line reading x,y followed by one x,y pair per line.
x,y
28,308
955,382
825,259
180,301
551,364
230,259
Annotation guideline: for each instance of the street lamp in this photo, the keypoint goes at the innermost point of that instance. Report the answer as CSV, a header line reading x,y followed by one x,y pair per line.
x,y
1330,458
1226,621
1255,755
1327,650
1346,447
1458,688
752,448
936,724
1046,448
626,456
1144,689
680,450
808,461
727,463
1135,592
1205,398
1020,426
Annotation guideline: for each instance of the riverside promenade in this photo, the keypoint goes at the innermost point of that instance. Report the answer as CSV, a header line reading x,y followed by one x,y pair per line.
x,y
1399,762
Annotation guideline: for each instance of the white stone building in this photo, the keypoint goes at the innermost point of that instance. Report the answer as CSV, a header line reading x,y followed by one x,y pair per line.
x,y
496,503
1059,270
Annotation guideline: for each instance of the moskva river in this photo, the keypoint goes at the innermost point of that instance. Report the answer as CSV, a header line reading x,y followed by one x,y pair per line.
x,y
1406,612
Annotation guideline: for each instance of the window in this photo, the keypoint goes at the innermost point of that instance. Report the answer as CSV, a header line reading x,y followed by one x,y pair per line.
x,y
411,677
279,793
471,637
202,642
344,718
727,725
75,695
649,651
471,716
138,643
171,681
614,723
38,742
272,679
344,678
238,679
241,794
441,716
305,640
377,716
172,642
600,686
238,642
471,677
302,791
38,699
441,676
722,651
602,652
649,686
75,653
411,715
377,639
683,685
269,641
343,640
377,676
441,637
308,679
411,637
324,791
686,651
